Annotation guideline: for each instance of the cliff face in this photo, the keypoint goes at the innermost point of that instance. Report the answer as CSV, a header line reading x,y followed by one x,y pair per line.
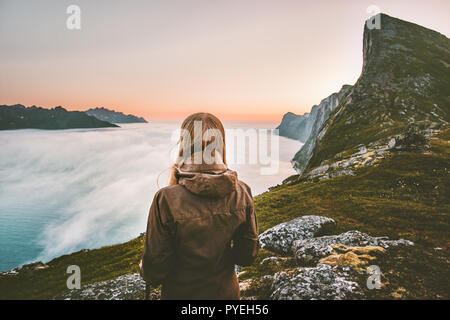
x,y
402,92
19,117
114,116
403,88
319,114
301,127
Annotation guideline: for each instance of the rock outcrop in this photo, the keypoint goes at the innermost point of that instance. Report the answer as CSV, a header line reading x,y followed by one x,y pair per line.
x,y
328,267
281,237
357,258
323,282
121,288
314,249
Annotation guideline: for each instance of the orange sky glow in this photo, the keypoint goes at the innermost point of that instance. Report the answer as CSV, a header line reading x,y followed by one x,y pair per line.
x,y
249,60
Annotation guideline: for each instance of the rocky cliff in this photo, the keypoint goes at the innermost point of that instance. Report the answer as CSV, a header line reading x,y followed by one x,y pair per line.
x,y
402,90
319,115
402,93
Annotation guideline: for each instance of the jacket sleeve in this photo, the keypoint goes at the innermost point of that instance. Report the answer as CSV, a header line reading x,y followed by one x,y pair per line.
x,y
158,254
245,242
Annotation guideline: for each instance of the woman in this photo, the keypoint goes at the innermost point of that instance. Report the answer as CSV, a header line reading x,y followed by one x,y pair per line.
x,y
203,223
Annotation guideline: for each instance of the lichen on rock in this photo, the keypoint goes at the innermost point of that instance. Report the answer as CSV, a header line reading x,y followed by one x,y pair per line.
x,y
312,250
281,237
121,288
322,282
355,257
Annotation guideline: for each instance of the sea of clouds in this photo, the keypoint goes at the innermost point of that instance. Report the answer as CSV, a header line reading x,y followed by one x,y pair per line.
x,y
65,190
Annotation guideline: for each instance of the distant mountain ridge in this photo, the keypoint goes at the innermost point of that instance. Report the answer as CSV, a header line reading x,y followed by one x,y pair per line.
x,y
113,116
21,117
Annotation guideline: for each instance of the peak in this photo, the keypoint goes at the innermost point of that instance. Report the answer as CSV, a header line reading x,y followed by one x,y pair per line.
x,y
386,29
395,42
388,22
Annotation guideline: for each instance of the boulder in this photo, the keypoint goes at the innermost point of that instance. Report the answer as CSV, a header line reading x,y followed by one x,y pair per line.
x,y
281,237
312,250
121,288
323,282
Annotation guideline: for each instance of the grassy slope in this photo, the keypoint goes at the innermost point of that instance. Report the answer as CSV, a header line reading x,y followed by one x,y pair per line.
x,y
405,196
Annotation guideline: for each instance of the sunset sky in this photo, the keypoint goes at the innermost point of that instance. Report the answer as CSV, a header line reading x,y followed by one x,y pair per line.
x,y
241,60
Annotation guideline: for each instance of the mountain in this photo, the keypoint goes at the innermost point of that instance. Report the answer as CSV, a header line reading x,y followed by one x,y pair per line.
x,y
20,117
400,98
114,116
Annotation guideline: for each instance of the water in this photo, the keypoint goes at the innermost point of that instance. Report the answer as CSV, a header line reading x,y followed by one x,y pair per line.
x,y
65,190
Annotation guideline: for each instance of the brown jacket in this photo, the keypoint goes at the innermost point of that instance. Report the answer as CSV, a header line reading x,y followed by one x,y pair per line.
x,y
197,231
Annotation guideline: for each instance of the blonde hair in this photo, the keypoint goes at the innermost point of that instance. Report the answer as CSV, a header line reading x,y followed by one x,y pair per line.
x,y
212,135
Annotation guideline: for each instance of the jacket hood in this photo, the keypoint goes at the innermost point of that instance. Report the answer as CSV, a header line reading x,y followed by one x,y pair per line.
x,y
210,180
